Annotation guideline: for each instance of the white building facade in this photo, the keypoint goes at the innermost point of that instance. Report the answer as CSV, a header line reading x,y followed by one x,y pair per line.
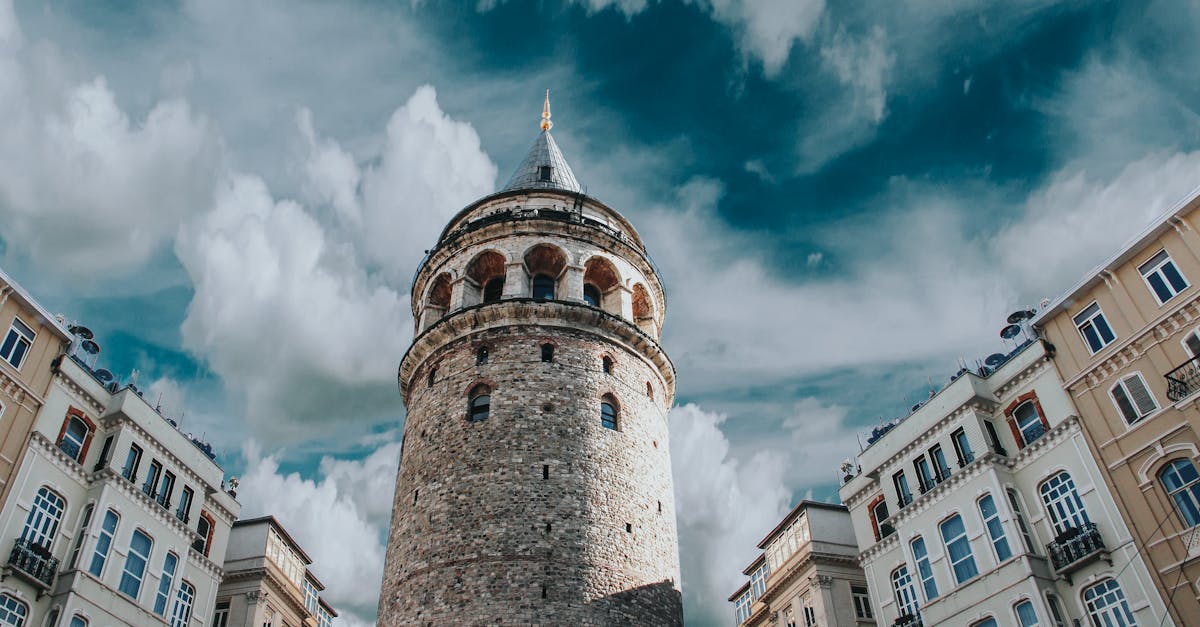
x,y
116,517
984,508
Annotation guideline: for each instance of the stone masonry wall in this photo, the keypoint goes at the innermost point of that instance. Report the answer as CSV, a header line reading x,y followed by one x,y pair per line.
x,y
537,515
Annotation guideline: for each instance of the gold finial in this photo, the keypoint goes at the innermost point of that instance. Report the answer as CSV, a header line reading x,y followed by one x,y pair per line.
x,y
546,123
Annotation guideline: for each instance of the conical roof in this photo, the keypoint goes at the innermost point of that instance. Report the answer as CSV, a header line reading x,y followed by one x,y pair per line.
x,y
544,166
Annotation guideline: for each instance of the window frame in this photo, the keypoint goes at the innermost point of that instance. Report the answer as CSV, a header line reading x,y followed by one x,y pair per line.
x,y
941,465
75,415
46,512
962,449
861,597
85,521
1068,496
903,493
1150,268
924,568
479,403
183,603
1029,399
610,419
10,607
1131,399
1027,533
127,574
1026,602
1187,490
104,538
594,295
1097,613
542,286
28,340
968,559
166,582
1091,320
133,462
995,528
901,578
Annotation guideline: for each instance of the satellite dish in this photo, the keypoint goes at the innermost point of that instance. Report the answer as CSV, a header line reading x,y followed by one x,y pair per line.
x,y
995,359
1010,331
81,331
90,347
103,375
1020,315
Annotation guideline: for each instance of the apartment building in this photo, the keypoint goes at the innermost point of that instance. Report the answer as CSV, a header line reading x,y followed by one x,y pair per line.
x,y
1127,338
116,517
807,574
32,339
268,582
984,507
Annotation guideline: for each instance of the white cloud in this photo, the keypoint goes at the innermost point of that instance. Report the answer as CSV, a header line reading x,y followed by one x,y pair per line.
x,y
862,64
335,526
85,189
724,508
767,29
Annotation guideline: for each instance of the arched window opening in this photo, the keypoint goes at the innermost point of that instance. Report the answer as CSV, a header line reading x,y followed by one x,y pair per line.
x,y
204,527
1106,604
432,377
74,434
493,290
1182,483
543,287
481,356
78,621
12,611
1029,422
906,594
140,546
165,582
104,542
607,364
1063,503
41,524
547,353
439,294
608,413
181,613
479,406
958,548
591,295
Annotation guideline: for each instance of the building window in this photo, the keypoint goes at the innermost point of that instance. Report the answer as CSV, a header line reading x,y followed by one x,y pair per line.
x,y
608,413
543,287
204,527
479,406
906,595
924,569
547,353
493,290
432,377
16,343
544,172
1106,604
810,614
924,474
12,611
1026,535
649,391
41,524
1063,503
165,488
140,546
74,433
1056,612
152,478
862,602
310,597
903,494
958,548
221,615
78,621
1026,615
1029,423
941,467
185,505
606,364
108,529
1133,398
1094,328
105,451
987,622
84,521
591,295
182,612
164,584
962,447
52,619
991,520
132,461
481,356
1182,483
758,581
994,437
1163,277
741,608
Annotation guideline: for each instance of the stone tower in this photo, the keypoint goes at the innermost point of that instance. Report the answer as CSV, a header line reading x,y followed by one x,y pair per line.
x,y
535,480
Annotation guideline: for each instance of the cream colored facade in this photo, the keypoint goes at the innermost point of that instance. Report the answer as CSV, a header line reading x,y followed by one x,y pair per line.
x,y
984,504
807,574
267,581
1127,338
24,370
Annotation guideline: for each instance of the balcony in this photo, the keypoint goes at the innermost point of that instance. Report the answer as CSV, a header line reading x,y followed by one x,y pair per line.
x,y
1075,548
908,620
1184,380
33,562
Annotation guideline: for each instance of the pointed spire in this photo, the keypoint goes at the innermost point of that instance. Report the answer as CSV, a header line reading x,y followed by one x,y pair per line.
x,y
544,166
546,123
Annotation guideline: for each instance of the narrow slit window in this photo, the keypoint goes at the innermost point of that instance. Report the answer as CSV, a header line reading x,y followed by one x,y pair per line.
x,y
547,353
608,415
481,356
480,405
544,173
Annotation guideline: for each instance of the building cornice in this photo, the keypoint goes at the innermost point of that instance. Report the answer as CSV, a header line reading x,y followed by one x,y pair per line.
x,y
1119,357
285,589
18,390
77,392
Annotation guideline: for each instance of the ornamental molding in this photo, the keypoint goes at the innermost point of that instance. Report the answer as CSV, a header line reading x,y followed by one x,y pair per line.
x,y
18,391
1185,316
149,506
792,572
1026,374
44,446
76,391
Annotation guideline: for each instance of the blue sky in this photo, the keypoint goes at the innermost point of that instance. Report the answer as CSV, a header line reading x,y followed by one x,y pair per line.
x,y
844,200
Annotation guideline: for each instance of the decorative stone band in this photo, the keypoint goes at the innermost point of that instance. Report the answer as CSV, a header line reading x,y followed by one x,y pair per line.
x,y
779,581
290,594
545,313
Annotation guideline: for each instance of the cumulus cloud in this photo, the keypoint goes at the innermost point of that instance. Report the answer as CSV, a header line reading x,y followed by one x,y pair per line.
x,y
724,508
331,517
768,30
85,188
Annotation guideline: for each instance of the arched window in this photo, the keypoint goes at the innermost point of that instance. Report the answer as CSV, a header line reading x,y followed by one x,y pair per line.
x,y
493,290
607,364
1182,483
103,543
1063,503
75,432
991,520
204,527
41,525
924,569
140,546
1106,604
12,611
164,584
906,594
958,548
543,287
52,618
78,621
608,413
481,355
81,535
547,352
1029,422
480,405
1026,615
591,295
182,612
432,377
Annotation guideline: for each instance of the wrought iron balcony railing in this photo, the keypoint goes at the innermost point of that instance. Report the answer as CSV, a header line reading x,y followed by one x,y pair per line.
x,y
1076,548
1184,380
34,562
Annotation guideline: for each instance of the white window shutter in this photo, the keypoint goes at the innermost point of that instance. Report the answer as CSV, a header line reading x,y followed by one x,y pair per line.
x,y
1141,396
